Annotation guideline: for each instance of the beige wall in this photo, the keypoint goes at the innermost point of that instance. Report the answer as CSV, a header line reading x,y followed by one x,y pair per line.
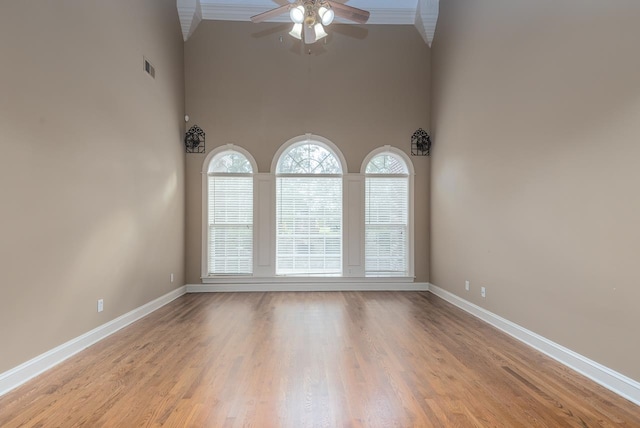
x,y
534,176
244,86
92,166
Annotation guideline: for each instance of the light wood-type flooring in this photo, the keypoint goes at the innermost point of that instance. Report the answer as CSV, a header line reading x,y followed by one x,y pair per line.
x,y
343,359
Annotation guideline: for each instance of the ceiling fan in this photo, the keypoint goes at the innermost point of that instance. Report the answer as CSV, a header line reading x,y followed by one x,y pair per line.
x,y
309,17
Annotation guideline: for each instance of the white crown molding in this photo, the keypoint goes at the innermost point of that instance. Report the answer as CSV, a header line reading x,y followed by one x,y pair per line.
x,y
18,375
242,12
190,14
426,18
610,379
306,286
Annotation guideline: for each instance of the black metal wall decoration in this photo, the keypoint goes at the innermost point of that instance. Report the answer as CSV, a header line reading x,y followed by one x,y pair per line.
x,y
194,140
420,143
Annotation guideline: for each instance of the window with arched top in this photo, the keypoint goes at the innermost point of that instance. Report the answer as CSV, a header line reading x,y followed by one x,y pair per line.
x,y
387,205
386,163
229,213
309,210
230,162
308,158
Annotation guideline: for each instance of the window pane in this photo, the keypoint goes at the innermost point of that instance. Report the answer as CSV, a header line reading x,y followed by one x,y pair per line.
x,y
309,226
231,249
386,226
231,162
386,164
308,158
230,215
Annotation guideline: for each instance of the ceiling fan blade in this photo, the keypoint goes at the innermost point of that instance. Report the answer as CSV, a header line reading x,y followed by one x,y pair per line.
x,y
261,17
351,13
349,30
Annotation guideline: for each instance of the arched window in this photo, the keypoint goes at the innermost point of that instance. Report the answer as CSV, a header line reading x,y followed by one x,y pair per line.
x,y
309,209
229,212
387,214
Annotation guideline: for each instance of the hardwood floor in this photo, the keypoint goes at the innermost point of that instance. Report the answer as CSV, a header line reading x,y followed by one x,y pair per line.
x,y
343,359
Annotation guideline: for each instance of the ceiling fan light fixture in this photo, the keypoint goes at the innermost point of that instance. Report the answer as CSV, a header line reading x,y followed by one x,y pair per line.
x,y
326,15
310,17
296,31
297,14
319,30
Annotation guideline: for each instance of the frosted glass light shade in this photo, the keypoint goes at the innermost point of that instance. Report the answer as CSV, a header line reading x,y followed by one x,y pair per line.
x,y
326,15
296,31
297,14
320,33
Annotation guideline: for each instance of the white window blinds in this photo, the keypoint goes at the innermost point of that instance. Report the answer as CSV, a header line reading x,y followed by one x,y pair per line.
x,y
309,212
309,226
230,225
230,215
386,217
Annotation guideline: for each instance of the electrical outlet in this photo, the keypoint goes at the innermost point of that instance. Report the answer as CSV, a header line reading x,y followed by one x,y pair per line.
x,y
483,292
467,286
100,305
172,277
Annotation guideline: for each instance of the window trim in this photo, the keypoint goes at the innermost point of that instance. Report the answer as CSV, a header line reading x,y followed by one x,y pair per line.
x,y
410,207
265,203
313,280
330,146
205,197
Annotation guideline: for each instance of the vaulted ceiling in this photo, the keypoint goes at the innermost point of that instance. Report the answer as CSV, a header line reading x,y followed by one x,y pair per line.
x,y
421,13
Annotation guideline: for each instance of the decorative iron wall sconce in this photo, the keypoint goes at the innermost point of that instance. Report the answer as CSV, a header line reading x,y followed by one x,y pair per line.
x,y
420,143
194,140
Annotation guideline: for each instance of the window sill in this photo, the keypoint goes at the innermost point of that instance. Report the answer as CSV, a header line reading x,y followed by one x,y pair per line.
x,y
306,280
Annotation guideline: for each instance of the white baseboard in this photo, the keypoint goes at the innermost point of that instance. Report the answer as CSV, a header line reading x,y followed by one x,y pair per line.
x,y
610,379
26,371
307,286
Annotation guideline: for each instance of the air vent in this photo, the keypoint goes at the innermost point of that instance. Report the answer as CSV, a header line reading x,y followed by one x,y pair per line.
x,y
151,71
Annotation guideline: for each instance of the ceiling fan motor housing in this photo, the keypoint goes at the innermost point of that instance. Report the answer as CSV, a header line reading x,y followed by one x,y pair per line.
x,y
310,13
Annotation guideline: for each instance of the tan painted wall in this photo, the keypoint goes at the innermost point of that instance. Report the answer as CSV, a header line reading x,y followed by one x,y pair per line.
x,y
91,166
244,86
535,168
